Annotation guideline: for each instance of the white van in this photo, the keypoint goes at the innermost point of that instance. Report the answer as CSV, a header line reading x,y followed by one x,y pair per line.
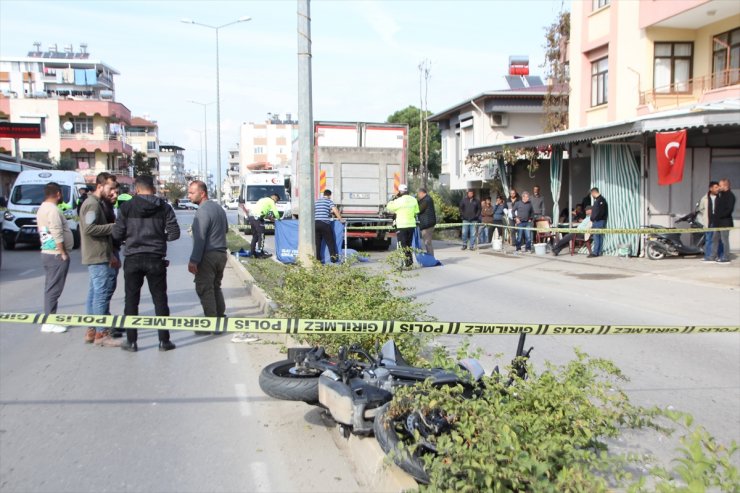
x,y
259,184
19,225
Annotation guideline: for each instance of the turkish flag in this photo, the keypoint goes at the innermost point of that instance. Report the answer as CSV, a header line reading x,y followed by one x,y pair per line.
x,y
670,150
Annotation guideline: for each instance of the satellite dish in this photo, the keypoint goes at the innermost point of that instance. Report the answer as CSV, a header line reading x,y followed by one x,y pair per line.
x,y
67,126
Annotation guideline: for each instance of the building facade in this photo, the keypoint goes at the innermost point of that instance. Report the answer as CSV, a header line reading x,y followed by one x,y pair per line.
x,y
171,164
232,181
268,144
72,98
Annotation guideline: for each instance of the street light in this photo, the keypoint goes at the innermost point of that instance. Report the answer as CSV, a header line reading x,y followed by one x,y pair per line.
x,y
218,96
205,131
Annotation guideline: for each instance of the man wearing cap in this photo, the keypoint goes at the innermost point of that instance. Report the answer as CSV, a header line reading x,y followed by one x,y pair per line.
x,y
583,226
406,208
264,209
323,210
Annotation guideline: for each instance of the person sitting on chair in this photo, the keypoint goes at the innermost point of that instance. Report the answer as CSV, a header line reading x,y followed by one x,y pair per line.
x,y
582,226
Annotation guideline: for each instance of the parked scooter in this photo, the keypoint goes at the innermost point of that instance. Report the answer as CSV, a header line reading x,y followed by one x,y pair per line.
x,y
661,245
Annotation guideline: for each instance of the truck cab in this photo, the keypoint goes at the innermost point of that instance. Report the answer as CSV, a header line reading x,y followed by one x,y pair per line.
x,y
19,220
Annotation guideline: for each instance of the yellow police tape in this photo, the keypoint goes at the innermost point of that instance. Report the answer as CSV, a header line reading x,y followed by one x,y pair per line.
x,y
321,326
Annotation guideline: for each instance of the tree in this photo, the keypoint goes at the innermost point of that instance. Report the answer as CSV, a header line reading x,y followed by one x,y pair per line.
x,y
66,164
142,165
414,117
555,103
174,191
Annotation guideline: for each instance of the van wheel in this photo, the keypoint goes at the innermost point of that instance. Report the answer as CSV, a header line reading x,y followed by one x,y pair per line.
x,y
8,244
76,238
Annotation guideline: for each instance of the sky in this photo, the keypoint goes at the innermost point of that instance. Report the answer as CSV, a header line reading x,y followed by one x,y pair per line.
x,y
365,55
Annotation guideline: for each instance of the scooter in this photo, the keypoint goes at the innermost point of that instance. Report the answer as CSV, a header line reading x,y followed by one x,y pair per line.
x,y
661,245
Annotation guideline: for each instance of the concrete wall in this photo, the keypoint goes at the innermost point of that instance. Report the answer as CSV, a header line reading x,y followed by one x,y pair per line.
x,y
49,109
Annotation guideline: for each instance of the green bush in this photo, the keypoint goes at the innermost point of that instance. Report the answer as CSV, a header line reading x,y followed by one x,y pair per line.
x,y
348,292
448,211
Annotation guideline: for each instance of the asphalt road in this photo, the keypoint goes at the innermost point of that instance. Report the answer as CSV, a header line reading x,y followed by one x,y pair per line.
x,y
74,417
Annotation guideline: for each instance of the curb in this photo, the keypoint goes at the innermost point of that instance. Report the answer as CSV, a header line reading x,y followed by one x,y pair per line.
x,y
265,304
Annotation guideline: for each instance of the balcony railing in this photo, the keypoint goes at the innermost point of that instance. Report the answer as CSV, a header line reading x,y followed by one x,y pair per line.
x,y
688,91
98,137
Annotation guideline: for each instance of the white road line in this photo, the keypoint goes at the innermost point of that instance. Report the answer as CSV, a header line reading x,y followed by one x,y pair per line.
x,y
232,354
26,272
241,394
261,479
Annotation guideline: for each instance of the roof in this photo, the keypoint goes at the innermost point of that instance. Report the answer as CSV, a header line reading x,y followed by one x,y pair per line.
x,y
524,93
138,121
725,113
61,61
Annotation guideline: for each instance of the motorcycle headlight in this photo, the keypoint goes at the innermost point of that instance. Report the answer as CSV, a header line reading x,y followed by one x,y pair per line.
x,y
8,216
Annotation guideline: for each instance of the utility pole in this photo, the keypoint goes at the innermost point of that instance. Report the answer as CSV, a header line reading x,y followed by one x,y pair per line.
x,y
306,233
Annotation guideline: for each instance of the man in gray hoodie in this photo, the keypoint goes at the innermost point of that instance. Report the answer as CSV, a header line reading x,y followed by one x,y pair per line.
x,y
208,258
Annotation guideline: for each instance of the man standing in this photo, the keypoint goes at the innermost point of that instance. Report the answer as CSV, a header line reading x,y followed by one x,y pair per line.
x,y
97,254
470,213
146,223
406,208
599,216
323,209
208,258
56,242
427,219
486,218
538,202
522,212
724,207
264,209
706,215
583,226
81,199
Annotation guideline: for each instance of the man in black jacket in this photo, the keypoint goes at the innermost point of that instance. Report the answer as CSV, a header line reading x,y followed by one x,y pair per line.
x,y
599,216
470,213
146,223
427,219
724,206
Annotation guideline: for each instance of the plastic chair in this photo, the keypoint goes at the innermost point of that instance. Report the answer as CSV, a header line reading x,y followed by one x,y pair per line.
x,y
577,243
544,222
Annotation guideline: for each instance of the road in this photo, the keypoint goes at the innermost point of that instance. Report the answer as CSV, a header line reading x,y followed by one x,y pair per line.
x,y
74,417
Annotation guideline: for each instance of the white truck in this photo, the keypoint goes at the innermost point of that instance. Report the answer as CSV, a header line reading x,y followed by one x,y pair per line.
x,y
362,164
258,184
19,220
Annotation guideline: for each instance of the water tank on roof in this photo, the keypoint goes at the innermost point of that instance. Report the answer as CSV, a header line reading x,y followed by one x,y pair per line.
x,y
106,94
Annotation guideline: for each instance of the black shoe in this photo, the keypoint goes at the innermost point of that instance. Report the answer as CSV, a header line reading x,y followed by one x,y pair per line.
x,y
555,253
131,347
166,346
203,333
591,255
116,333
464,247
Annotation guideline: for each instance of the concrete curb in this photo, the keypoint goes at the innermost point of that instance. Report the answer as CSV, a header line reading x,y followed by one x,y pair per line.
x,y
265,304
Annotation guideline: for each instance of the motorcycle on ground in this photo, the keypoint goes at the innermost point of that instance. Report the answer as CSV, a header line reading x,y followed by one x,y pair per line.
x,y
666,244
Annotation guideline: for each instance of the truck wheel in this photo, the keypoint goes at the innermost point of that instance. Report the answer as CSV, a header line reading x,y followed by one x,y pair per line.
x,y
76,238
383,244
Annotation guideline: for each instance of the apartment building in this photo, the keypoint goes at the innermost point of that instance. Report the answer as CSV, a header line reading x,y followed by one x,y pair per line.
x,y
143,136
637,69
232,182
171,164
267,144
72,97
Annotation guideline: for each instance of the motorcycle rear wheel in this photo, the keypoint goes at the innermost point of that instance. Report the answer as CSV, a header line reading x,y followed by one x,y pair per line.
x,y
654,251
278,381
390,441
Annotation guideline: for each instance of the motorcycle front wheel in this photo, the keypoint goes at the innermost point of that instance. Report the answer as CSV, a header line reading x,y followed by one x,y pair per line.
x,y
389,434
654,250
283,380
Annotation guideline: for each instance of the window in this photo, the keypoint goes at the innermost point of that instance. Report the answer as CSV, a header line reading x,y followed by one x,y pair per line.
x,y
40,156
600,82
34,194
444,149
726,58
84,160
151,145
82,125
259,150
672,67
597,4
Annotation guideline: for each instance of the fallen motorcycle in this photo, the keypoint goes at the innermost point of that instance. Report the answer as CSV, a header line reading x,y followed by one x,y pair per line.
x,y
355,384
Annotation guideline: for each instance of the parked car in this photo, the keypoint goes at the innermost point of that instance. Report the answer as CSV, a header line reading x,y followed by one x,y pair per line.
x,y
231,205
186,204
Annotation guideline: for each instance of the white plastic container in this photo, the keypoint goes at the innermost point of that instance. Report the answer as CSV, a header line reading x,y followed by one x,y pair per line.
x,y
540,248
497,244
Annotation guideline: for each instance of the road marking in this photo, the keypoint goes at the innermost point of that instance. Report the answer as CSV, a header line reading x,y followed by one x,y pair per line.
x,y
241,394
260,476
232,354
26,272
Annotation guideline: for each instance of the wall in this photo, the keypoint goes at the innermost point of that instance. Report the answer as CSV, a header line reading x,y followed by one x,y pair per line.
x,y
43,107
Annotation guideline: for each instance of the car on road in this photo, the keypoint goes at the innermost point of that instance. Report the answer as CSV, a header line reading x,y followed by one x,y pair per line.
x,y
186,204
231,205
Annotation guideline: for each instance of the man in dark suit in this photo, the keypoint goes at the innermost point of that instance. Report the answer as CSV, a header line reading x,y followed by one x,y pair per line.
x,y
724,206
599,216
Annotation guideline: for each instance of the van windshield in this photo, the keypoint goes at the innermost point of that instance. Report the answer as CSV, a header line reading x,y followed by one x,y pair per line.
x,y
256,192
33,194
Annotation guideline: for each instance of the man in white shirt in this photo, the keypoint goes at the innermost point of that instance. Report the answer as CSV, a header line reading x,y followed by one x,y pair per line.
x,y
582,226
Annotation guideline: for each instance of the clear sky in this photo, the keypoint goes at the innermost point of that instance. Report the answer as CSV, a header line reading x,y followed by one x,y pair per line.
x,y
365,55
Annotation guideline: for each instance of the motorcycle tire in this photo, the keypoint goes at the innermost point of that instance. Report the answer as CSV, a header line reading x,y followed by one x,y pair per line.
x,y
389,440
277,381
654,251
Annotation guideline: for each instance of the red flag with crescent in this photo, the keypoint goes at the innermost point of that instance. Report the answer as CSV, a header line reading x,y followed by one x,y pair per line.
x,y
670,148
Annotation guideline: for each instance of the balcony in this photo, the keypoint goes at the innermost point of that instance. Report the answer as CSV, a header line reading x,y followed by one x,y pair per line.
x,y
716,87
112,111
107,143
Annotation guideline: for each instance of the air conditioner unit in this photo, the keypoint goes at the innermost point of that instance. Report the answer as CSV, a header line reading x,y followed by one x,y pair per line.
x,y
499,119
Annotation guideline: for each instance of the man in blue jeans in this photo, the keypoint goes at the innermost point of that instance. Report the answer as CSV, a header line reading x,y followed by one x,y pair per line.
x,y
523,212
97,254
470,213
599,216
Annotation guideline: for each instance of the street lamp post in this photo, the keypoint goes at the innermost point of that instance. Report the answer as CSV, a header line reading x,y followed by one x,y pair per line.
x,y
205,132
218,96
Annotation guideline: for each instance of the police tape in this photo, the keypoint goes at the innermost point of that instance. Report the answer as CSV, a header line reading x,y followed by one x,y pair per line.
x,y
640,231
339,327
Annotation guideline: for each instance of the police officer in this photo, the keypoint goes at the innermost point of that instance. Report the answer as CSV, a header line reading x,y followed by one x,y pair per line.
x,y
406,208
264,210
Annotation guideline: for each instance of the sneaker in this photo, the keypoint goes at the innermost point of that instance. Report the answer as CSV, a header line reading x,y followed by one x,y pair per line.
x,y
244,337
103,339
166,346
464,247
89,335
53,328
131,347
722,261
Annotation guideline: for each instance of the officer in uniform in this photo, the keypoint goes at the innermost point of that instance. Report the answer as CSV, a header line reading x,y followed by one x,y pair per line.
x,y
264,210
406,208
